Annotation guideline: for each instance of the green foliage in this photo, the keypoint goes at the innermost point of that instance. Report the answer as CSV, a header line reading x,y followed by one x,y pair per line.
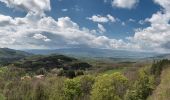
x,y
8,56
11,73
44,64
142,88
2,97
71,83
72,89
3,70
86,83
19,90
78,88
40,92
109,87
157,67
56,88
80,66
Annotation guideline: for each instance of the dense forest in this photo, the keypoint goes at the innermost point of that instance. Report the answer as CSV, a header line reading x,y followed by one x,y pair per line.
x,y
59,77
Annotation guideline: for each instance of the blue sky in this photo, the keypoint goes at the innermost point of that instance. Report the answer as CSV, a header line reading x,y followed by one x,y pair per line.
x,y
112,24
79,10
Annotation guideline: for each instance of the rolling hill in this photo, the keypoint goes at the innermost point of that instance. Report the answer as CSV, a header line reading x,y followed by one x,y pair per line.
x,y
9,55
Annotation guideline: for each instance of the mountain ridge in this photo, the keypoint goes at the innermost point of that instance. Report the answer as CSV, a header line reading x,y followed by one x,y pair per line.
x,y
94,52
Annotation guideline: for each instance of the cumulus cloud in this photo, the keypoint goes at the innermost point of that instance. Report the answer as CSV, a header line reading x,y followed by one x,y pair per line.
x,y
124,3
5,20
36,31
37,6
102,19
163,3
45,32
157,35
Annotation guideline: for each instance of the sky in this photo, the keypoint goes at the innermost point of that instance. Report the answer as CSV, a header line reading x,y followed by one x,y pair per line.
x,y
135,25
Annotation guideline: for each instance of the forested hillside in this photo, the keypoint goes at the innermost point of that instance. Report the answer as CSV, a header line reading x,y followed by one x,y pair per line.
x,y
59,77
9,55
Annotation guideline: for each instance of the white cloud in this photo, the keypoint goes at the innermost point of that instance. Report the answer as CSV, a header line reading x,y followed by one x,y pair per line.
x,y
49,33
101,28
5,20
102,19
41,37
163,3
36,6
124,3
157,35
111,18
36,31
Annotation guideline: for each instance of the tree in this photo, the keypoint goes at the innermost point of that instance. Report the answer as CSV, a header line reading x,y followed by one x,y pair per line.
x,y
142,88
109,87
86,83
72,89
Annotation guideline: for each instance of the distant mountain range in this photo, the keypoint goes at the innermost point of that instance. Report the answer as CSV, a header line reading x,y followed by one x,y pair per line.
x,y
9,55
162,56
94,52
